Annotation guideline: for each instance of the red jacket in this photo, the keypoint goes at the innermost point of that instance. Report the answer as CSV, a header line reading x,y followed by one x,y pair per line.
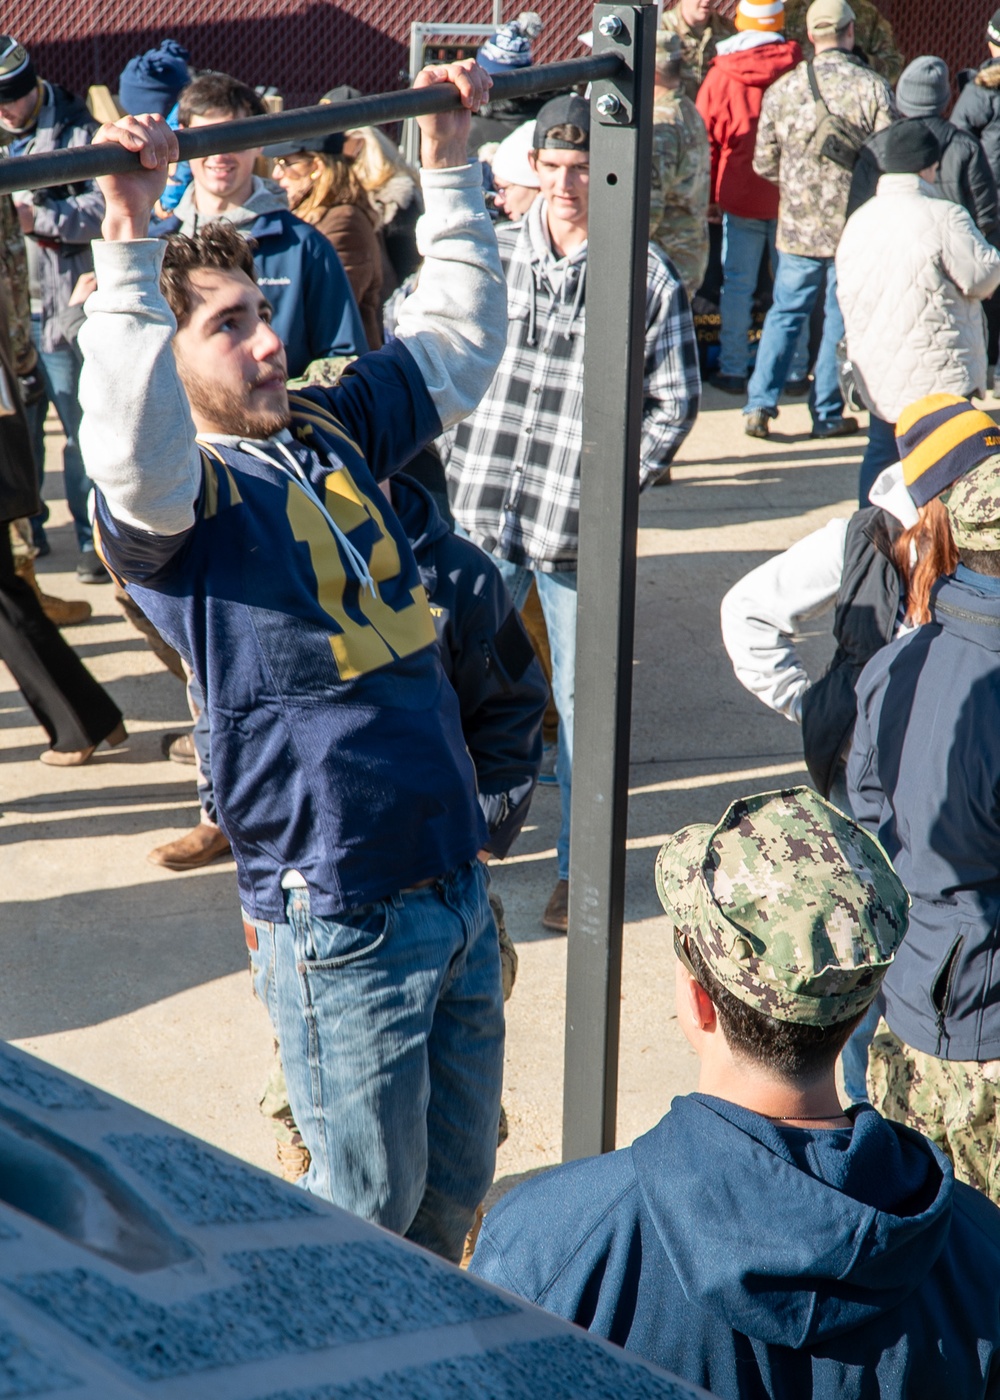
x,y
729,102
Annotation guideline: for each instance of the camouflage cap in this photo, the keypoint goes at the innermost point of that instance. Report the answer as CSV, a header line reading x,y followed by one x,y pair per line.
x,y
973,506
795,909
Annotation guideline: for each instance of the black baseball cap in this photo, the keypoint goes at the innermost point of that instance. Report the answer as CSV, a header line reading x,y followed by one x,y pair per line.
x,y
568,110
331,145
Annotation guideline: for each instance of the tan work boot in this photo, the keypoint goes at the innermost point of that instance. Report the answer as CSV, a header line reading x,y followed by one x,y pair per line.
x,y
471,1238
62,611
556,916
199,847
293,1158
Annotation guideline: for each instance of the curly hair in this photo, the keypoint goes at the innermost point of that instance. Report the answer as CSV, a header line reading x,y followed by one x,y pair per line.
x,y
217,245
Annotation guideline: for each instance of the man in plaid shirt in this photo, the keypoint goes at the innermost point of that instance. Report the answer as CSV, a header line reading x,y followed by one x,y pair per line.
x,y
514,465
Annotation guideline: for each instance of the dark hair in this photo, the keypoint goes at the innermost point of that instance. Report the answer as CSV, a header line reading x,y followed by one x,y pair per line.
x,y
218,92
217,245
568,131
981,561
793,1051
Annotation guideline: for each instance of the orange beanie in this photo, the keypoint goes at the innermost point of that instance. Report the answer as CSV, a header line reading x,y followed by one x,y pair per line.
x,y
768,15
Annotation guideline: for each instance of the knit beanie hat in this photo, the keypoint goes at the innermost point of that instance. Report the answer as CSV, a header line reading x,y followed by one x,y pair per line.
x,y
993,29
766,15
510,46
923,89
908,146
973,507
510,159
940,438
17,72
153,81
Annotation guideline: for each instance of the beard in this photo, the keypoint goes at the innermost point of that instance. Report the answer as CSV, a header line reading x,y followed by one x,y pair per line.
x,y
236,415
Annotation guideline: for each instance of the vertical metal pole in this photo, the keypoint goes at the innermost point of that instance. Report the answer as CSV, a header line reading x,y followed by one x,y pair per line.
x,y
618,236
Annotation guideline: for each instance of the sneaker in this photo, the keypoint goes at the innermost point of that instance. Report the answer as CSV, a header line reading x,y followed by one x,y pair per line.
x,y
834,427
179,748
90,569
798,388
757,423
199,847
547,772
729,383
556,916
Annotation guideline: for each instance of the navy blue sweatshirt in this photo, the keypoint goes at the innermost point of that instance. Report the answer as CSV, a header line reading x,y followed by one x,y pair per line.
x,y
487,656
766,1263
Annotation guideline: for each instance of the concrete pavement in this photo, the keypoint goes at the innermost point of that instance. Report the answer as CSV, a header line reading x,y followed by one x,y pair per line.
x,y
135,978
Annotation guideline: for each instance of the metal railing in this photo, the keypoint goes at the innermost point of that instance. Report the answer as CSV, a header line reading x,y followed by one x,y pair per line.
x,y
621,71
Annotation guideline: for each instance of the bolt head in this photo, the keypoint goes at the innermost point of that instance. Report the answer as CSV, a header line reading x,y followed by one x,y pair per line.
x,y
608,105
610,26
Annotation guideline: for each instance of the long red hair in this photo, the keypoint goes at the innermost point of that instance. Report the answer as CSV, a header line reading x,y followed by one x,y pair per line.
x,y
930,540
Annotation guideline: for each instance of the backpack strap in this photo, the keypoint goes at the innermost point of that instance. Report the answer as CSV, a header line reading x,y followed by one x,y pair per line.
x,y
814,87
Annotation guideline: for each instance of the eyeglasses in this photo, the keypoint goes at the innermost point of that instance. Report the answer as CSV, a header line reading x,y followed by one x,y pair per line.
x,y
285,161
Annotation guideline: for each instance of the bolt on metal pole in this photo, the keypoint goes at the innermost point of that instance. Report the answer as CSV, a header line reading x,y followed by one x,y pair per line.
x,y
618,239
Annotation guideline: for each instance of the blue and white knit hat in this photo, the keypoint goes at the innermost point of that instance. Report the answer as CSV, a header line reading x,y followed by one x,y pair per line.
x,y
510,46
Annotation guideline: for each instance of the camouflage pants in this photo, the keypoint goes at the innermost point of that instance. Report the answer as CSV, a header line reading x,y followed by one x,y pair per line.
x,y
956,1103
274,1100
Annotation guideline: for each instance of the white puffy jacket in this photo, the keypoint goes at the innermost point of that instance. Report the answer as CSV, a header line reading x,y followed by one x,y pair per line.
x,y
912,270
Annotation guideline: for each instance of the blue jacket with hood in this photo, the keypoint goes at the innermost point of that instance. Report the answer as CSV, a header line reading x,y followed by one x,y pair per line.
x,y
487,656
924,776
767,1263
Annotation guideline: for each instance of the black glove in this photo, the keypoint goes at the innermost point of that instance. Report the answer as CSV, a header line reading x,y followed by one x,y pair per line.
x,y
32,387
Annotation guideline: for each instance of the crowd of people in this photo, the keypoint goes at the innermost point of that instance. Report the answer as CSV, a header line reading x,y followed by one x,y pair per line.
x,y
338,490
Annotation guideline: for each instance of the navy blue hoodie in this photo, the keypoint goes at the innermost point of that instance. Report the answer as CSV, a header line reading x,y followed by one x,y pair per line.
x,y
760,1261
924,776
487,656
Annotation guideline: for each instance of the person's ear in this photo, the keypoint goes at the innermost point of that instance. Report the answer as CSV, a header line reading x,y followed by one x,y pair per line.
x,y
698,1005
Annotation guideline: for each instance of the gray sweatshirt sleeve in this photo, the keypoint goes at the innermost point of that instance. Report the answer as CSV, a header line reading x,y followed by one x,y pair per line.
x,y
137,436
455,323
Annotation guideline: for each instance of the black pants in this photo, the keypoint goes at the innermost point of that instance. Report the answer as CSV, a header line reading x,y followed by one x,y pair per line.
x,y
68,703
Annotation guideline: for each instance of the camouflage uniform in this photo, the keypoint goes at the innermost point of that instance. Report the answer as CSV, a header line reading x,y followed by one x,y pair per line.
x,y
14,271
872,34
956,1103
678,204
794,908
697,50
813,190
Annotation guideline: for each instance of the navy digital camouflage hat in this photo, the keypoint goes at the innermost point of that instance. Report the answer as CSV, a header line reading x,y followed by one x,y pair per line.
x,y
794,908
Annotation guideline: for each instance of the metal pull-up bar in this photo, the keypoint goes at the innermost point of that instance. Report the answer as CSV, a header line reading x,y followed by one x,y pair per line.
x,y
87,162
621,70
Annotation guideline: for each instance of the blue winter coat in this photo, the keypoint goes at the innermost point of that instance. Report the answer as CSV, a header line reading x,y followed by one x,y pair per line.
x,y
924,776
767,1263
299,272
487,656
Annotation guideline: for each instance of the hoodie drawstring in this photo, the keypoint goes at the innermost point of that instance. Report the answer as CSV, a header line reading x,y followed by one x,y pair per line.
x,y
357,560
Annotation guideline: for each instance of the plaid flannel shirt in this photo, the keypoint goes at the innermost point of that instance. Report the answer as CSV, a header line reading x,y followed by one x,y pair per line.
x,y
514,465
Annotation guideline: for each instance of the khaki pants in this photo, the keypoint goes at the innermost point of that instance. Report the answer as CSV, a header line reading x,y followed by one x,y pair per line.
x,y
956,1103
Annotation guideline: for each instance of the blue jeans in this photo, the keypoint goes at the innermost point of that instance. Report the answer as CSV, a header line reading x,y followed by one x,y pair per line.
x,y
557,595
854,1056
743,245
796,287
61,370
880,453
390,1020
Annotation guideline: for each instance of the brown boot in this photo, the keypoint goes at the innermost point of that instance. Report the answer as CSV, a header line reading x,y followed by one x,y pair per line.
x,y
62,611
556,916
471,1238
199,847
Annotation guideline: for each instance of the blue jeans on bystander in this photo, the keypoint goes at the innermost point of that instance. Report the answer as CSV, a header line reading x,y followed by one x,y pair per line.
x,y
557,595
743,245
880,453
391,1025
61,370
796,287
